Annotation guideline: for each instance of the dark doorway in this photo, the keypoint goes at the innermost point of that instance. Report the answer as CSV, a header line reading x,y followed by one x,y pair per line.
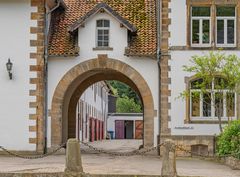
x,y
128,129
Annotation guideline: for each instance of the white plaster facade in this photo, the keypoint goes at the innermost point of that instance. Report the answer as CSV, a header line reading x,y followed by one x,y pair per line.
x,y
113,117
15,44
178,30
147,67
93,103
15,20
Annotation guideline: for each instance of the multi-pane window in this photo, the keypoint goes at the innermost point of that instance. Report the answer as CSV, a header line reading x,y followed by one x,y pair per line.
x,y
103,27
212,102
201,26
226,26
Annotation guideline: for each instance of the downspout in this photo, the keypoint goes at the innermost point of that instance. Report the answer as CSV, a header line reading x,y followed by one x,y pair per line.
x,y
46,30
159,32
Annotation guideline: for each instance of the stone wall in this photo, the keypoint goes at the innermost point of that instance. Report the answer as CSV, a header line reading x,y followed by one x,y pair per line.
x,y
165,79
80,77
38,56
198,145
232,162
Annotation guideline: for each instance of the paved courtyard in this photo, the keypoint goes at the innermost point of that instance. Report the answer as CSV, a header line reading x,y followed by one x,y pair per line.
x,y
106,164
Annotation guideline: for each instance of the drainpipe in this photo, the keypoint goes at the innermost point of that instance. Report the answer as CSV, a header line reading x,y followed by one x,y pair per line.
x,y
46,71
159,25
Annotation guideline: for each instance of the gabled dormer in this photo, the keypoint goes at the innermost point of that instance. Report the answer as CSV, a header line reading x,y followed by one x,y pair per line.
x,y
103,7
105,29
137,18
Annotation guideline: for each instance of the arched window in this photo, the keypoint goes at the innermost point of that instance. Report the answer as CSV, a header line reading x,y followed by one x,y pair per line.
x,y
103,27
212,101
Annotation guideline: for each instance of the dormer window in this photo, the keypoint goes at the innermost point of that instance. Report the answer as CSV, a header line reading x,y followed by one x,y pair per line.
x,y
103,27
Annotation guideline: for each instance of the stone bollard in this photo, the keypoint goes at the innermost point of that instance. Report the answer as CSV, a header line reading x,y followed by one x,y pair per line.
x,y
169,159
73,157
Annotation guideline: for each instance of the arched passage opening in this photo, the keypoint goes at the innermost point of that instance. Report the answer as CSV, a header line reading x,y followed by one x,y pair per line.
x,y
83,75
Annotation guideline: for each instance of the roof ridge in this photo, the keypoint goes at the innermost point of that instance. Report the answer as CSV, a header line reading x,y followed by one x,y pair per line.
x,y
96,9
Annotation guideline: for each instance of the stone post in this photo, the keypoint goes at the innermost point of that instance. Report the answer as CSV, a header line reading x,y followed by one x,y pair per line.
x,y
73,157
169,159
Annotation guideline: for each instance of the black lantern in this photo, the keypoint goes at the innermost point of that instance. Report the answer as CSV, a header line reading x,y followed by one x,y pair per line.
x,y
9,66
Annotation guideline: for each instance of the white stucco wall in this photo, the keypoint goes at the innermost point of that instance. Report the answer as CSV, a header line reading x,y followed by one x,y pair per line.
x,y
15,44
178,29
178,107
178,26
118,41
100,104
112,118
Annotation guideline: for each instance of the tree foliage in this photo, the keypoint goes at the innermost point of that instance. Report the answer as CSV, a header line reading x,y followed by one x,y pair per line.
x,y
216,63
127,105
126,97
229,141
210,67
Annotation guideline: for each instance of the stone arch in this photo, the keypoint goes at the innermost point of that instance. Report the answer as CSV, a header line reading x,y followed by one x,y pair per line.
x,y
80,77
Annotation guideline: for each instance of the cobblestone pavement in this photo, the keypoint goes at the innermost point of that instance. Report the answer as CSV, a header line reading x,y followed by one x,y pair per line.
x,y
105,164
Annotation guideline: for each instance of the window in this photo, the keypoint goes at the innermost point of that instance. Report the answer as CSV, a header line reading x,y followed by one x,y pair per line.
x,y
212,25
213,101
226,26
103,33
200,27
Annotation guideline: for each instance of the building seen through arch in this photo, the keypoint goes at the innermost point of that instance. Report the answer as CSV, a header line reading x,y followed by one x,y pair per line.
x,y
63,47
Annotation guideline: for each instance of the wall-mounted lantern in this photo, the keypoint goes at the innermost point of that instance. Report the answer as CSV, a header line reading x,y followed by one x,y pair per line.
x,y
9,66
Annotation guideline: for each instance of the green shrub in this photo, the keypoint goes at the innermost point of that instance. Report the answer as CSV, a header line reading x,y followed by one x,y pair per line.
x,y
127,105
228,142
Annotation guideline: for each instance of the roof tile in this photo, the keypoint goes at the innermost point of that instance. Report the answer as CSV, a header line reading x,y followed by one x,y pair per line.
x,y
140,13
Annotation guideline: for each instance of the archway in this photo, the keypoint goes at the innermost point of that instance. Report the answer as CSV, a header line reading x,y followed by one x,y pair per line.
x,y
79,78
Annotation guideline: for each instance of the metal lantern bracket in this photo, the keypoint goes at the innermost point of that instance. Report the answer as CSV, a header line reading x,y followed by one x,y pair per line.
x,y
9,66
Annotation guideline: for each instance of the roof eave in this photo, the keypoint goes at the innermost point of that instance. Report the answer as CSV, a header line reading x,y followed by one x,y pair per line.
x,y
63,4
52,4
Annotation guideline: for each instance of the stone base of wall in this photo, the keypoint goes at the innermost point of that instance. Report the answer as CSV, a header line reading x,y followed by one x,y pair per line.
x,y
232,162
198,145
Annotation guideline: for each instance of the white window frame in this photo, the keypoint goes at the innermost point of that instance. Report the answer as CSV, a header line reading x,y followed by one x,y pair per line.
x,y
225,19
212,117
102,28
201,18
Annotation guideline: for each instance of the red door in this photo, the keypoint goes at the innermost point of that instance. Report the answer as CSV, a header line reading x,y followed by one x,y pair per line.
x,y
92,136
103,130
138,129
97,130
119,129
100,130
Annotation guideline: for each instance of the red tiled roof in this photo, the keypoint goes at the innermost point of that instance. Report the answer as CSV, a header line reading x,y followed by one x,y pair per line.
x,y
140,13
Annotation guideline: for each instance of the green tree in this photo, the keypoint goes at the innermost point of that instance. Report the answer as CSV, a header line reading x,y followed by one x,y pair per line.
x,y
220,69
228,142
127,105
122,90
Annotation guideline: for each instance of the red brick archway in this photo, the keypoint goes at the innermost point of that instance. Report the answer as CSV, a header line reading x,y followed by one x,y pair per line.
x,y
79,78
